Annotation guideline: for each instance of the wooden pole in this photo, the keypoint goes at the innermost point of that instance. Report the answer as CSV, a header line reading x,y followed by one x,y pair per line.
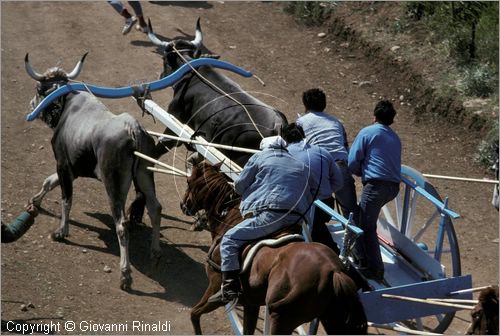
x,y
436,303
400,329
470,290
196,142
456,301
164,165
461,178
164,171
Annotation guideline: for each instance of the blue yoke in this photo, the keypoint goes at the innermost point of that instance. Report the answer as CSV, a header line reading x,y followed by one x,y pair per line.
x,y
106,92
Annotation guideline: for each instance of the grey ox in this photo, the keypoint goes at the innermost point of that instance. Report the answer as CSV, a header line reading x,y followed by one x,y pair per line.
x,y
90,141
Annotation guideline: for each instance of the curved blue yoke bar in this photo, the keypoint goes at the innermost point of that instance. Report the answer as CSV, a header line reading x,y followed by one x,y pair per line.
x,y
106,92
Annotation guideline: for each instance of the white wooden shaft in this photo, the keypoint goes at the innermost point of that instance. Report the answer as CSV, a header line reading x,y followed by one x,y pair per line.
x,y
455,178
455,300
164,165
164,171
400,329
470,290
211,154
190,141
436,303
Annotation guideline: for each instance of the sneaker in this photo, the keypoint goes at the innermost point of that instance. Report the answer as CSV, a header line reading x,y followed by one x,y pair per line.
x,y
129,23
142,29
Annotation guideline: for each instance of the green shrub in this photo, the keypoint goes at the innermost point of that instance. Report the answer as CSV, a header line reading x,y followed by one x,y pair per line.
x,y
310,13
479,80
488,148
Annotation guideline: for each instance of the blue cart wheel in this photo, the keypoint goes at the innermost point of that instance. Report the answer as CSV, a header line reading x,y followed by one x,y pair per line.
x,y
422,222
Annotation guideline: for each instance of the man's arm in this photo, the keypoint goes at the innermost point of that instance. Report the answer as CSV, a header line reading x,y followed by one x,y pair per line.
x,y
20,226
356,155
247,176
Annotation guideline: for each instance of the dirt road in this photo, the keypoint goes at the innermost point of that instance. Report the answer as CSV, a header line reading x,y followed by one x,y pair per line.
x,y
67,281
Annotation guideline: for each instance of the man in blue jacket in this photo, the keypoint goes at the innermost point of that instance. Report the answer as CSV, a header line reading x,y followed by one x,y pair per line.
x,y
275,193
326,176
375,155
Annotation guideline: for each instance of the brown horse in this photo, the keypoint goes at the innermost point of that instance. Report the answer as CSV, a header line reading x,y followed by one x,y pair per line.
x,y
297,282
485,313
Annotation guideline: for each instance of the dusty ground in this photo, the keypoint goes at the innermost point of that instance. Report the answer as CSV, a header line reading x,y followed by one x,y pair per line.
x,y
66,281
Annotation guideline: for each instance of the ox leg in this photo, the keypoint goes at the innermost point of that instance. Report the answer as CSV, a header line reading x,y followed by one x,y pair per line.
x,y
117,185
50,183
135,211
66,181
204,307
144,182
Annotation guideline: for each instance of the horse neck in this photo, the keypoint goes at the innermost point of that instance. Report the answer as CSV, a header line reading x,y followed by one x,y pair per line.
x,y
220,200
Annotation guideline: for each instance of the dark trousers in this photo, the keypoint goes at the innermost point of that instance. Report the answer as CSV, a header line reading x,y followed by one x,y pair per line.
x,y
375,195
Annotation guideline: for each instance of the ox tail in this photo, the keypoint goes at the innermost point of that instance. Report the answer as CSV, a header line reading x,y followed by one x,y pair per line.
x,y
346,310
143,143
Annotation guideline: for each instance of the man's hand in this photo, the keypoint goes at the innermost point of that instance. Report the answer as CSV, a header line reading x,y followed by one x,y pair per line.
x,y
32,210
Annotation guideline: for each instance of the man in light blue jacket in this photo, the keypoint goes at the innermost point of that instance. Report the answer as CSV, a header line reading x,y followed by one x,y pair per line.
x,y
375,155
276,192
326,131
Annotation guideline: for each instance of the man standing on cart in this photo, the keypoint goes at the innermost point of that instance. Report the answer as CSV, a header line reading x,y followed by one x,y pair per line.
x,y
375,155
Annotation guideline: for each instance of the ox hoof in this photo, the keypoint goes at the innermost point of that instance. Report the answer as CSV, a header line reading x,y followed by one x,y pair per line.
x,y
155,258
126,281
35,202
58,236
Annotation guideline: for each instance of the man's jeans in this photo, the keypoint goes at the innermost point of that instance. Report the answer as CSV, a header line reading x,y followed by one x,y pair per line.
x,y
375,195
250,229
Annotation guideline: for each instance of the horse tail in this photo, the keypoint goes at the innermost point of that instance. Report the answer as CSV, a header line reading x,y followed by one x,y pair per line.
x,y
346,306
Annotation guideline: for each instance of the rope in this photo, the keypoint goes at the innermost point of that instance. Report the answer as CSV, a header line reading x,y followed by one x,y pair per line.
x,y
218,89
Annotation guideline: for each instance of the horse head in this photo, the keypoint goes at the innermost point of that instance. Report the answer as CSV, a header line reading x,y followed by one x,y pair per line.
x,y
207,189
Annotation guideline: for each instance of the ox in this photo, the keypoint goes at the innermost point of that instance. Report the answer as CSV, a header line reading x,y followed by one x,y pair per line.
x,y
90,141
485,313
212,104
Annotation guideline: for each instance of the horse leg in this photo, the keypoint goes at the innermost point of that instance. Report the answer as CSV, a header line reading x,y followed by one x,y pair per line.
x,y
204,307
50,183
280,324
250,317
144,182
65,179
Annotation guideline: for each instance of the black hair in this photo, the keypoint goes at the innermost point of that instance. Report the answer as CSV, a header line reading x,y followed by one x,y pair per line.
x,y
292,133
314,100
384,112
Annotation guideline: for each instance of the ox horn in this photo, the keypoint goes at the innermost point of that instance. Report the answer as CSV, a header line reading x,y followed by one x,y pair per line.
x,y
76,71
33,74
153,38
198,38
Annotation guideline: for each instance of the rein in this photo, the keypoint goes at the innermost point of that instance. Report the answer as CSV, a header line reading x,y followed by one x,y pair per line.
x,y
225,94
